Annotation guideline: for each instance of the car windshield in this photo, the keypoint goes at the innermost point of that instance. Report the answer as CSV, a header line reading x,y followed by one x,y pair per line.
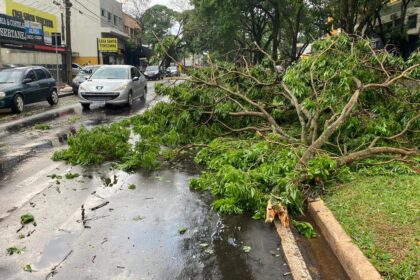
x,y
152,68
114,73
88,71
10,76
172,68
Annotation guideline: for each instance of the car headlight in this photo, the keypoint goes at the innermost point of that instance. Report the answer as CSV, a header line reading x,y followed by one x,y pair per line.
x,y
121,87
82,87
2,95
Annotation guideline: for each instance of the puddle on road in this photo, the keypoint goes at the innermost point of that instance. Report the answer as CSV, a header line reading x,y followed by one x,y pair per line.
x,y
55,251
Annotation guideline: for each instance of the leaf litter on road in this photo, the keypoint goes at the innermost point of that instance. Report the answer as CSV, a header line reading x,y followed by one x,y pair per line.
x,y
15,250
27,218
247,249
138,218
182,230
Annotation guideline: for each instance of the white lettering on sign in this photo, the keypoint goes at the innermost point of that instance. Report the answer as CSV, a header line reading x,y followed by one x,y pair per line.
x,y
10,33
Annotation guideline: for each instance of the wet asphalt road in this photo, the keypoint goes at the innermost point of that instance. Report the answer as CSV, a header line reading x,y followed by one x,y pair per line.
x,y
136,234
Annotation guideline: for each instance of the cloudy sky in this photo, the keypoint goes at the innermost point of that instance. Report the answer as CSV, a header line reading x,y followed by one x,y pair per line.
x,y
173,4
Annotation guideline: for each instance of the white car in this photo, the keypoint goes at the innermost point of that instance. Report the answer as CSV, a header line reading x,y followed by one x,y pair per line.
x,y
113,84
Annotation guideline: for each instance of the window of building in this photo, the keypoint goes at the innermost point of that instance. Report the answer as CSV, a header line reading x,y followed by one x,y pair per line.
x,y
115,20
120,20
103,13
109,17
412,22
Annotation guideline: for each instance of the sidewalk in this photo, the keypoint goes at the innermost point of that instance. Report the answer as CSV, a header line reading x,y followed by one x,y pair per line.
x,y
64,90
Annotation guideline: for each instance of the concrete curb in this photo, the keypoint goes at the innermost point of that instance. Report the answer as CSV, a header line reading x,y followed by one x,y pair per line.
x,y
293,256
11,160
65,93
356,265
37,117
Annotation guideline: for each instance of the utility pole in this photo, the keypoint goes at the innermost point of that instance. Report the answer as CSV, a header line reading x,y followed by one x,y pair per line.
x,y
67,6
56,56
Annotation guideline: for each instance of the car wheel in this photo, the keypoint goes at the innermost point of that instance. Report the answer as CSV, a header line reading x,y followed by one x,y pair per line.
x,y
53,99
130,99
17,104
86,106
143,97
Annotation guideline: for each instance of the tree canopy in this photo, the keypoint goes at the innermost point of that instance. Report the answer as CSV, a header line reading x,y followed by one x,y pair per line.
x,y
157,21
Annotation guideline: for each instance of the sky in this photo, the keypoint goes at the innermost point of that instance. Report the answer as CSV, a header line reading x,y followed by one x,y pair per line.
x,y
173,4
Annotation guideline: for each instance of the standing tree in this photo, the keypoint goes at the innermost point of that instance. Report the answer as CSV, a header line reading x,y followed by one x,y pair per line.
x,y
156,23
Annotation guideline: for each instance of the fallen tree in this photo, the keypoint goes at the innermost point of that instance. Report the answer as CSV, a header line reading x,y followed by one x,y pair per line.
x,y
264,135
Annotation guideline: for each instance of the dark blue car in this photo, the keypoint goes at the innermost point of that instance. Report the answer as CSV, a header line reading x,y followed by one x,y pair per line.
x,y
25,85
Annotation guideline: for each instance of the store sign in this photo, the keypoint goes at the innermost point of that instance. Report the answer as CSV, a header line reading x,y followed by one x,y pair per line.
x,y
12,28
48,39
108,44
34,31
30,13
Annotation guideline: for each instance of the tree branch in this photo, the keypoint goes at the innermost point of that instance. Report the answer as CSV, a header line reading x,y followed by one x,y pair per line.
x,y
373,151
345,113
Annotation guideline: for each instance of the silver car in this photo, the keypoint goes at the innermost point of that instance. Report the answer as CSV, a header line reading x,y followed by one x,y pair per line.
x,y
113,84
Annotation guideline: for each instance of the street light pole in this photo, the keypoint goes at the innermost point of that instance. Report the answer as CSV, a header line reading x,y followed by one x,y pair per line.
x,y
56,56
67,6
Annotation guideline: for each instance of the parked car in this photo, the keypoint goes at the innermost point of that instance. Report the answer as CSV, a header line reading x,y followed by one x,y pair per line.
x,y
172,71
153,73
83,75
113,84
24,85
75,68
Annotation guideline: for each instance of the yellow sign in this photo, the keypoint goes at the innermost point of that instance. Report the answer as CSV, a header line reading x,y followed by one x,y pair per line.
x,y
24,12
108,44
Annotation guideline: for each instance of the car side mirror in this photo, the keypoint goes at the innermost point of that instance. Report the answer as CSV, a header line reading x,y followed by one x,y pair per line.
x,y
27,80
135,79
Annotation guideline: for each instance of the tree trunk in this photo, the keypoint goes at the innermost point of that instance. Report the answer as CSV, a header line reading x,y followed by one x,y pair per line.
x,y
293,53
276,33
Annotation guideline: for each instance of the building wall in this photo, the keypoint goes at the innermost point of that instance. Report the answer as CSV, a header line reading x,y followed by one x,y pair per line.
x,y
392,13
85,29
89,22
113,17
17,57
131,27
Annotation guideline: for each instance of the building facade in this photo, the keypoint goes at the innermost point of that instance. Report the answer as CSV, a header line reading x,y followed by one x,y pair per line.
x,y
31,34
91,21
391,20
132,28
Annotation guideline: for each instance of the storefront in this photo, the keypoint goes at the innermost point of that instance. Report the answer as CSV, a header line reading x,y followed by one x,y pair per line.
x,y
26,38
111,50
